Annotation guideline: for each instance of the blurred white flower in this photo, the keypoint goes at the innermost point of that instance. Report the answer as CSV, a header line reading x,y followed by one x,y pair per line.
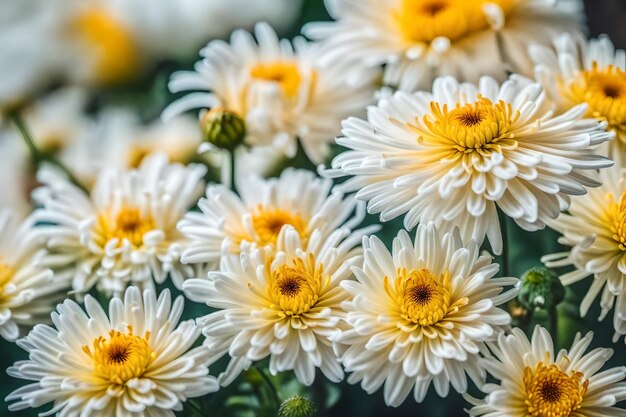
x,y
139,361
124,231
279,89
297,198
418,40
283,304
454,156
421,315
532,380
28,292
595,229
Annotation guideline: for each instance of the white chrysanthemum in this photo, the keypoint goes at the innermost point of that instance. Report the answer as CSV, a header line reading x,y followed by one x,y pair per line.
x,y
456,155
595,228
418,40
422,314
139,361
284,304
124,232
297,198
281,91
28,292
534,382
593,72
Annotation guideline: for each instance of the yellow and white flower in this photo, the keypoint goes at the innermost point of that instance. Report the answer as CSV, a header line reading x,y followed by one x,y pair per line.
x,y
595,229
418,40
421,315
28,292
124,231
138,361
454,156
592,72
533,380
284,304
279,89
297,198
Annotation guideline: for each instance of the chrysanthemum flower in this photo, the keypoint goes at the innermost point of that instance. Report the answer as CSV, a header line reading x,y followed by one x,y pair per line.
x,y
533,381
418,40
421,314
124,232
281,91
137,362
454,156
593,72
297,198
28,292
282,304
595,228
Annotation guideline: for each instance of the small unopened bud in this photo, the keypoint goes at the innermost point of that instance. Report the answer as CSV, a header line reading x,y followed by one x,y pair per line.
x,y
223,129
541,288
297,406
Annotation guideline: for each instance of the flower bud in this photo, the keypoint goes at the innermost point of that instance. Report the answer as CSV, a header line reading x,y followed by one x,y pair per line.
x,y
223,129
541,288
297,406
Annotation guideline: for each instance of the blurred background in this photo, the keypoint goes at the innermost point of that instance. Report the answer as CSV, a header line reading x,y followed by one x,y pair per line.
x,y
90,78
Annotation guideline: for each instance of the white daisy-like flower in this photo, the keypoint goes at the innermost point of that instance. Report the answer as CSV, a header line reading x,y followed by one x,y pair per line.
x,y
280,90
418,40
421,315
297,198
595,229
535,381
124,231
580,71
28,292
455,155
138,361
283,304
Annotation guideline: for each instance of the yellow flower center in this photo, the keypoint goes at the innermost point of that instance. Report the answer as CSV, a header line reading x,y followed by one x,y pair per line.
x,y
294,288
121,357
115,52
604,91
424,20
616,215
268,222
285,74
6,275
127,224
552,393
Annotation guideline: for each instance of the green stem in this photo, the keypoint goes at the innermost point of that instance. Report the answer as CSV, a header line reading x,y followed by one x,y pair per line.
x,y
270,386
504,227
36,154
197,408
554,325
231,154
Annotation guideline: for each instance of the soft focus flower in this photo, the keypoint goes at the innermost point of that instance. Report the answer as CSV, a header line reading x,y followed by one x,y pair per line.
x,y
139,361
281,91
28,292
535,381
540,288
593,72
454,156
421,314
418,40
124,232
595,228
297,198
285,304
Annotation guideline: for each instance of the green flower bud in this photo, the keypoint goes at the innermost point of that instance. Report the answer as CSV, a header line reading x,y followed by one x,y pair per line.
x,y
223,128
297,406
541,288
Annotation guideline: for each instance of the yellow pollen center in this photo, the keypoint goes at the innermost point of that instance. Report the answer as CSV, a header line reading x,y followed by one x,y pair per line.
x,y
128,224
424,20
550,392
286,74
6,275
268,222
121,357
616,216
294,288
116,55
